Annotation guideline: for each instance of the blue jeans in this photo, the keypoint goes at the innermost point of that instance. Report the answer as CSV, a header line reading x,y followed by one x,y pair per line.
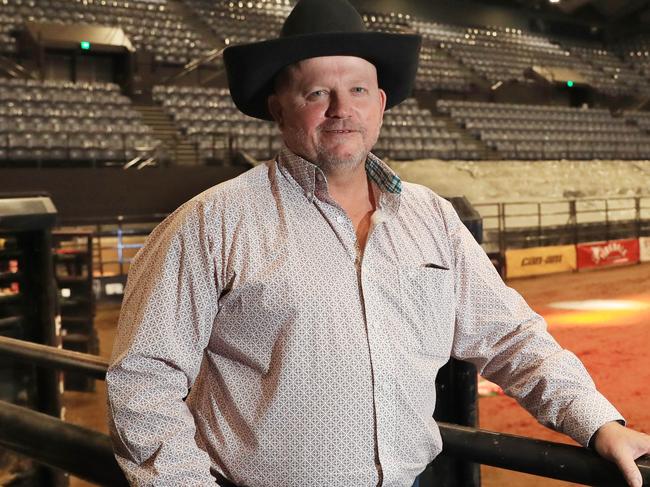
x,y
417,482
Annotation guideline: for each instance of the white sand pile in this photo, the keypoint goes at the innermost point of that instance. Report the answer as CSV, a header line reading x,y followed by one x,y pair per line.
x,y
507,181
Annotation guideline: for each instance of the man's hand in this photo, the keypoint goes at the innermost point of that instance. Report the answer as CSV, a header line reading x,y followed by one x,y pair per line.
x,y
622,446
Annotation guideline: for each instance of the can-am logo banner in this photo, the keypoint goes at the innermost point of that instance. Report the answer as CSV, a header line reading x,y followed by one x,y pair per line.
x,y
540,260
612,252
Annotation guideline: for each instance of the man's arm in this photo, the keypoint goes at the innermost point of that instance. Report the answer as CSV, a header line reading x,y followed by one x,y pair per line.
x,y
165,324
510,345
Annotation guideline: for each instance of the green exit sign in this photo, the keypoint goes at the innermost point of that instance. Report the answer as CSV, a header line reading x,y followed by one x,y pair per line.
x,y
85,45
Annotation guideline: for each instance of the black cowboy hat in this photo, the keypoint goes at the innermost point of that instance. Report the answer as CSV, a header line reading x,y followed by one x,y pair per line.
x,y
320,28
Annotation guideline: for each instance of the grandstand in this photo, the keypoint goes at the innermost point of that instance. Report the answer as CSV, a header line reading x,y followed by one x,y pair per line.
x,y
520,91
464,106
492,87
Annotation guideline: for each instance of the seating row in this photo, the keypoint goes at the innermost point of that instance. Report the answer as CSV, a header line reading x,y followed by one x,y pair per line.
x,y
525,131
150,26
61,120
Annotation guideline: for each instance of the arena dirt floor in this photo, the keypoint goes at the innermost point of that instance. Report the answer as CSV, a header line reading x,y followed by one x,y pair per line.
x,y
603,316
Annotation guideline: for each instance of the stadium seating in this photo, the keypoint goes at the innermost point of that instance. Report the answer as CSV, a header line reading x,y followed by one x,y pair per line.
x,y
50,121
208,116
149,24
636,51
497,54
611,75
240,22
438,71
641,119
55,121
410,132
7,25
549,132
392,23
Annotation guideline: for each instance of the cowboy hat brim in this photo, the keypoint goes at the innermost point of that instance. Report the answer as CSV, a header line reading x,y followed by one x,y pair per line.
x,y
252,67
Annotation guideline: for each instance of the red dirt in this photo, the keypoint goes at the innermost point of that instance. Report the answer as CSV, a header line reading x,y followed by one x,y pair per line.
x,y
613,345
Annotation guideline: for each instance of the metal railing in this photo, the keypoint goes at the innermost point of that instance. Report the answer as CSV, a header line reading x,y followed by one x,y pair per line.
x,y
82,452
53,357
535,223
193,65
62,445
505,225
119,229
14,69
74,148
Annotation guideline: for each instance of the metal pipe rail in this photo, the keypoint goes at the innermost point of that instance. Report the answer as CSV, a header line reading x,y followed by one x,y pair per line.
x,y
36,353
88,454
82,452
537,457
37,435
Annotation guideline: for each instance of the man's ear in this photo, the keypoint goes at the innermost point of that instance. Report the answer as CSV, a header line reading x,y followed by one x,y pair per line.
x,y
275,109
382,100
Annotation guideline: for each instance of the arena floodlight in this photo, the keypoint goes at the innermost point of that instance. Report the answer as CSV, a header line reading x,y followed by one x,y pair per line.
x,y
85,45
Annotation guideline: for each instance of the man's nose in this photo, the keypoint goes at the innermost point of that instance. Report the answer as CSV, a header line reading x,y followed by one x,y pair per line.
x,y
339,106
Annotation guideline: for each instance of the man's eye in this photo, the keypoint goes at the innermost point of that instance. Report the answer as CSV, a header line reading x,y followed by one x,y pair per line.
x,y
317,93
359,89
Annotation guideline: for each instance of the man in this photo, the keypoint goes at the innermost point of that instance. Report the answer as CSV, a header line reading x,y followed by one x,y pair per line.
x,y
308,304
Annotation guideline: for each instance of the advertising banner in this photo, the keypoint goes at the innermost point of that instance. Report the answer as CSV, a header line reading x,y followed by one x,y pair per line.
x,y
644,249
540,260
605,254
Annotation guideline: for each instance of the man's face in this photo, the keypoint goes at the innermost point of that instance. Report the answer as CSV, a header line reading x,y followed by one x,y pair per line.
x,y
329,110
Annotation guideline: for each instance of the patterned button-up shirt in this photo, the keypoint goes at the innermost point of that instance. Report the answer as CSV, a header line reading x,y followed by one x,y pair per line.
x,y
255,342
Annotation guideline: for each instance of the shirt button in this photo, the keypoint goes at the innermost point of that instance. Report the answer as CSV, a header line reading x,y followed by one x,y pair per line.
x,y
340,219
308,194
319,177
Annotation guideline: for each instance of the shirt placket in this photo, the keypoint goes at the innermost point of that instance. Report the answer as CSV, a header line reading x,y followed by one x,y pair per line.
x,y
380,353
383,377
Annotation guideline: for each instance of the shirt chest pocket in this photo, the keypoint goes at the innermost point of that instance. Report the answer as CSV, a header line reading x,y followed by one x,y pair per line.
x,y
427,309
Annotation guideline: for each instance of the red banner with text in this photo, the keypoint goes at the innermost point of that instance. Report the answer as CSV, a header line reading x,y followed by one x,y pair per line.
x,y
603,254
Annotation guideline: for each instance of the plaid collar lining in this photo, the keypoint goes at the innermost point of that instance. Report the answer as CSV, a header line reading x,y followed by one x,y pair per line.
x,y
382,175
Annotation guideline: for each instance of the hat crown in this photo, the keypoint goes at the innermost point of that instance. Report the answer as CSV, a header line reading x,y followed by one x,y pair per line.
x,y
322,16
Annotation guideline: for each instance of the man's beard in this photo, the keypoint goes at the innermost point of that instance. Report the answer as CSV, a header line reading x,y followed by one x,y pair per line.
x,y
329,161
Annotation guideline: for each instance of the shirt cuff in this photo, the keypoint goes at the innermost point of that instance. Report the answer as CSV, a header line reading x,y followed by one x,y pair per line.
x,y
586,414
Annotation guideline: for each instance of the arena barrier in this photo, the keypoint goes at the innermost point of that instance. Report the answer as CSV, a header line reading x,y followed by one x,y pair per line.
x,y
644,249
592,255
534,238
88,454
541,260
521,224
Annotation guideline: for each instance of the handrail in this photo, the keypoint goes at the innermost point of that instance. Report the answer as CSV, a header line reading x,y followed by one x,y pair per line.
x,y
114,220
82,452
45,355
63,445
538,457
194,64
580,213
11,65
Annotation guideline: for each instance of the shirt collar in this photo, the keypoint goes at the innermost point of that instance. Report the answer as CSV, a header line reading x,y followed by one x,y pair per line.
x,y
314,183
